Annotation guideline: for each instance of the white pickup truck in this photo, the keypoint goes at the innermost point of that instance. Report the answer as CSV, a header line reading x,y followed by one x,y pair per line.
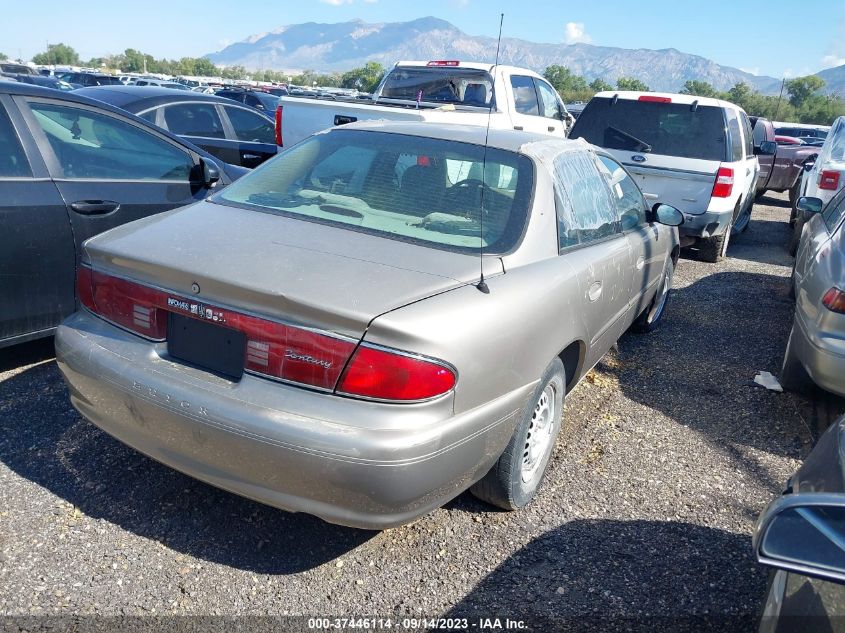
x,y
437,91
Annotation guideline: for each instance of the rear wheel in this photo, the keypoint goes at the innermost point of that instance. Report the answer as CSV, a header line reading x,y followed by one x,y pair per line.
x,y
793,196
514,479
744,218
795,238
650,318
793,376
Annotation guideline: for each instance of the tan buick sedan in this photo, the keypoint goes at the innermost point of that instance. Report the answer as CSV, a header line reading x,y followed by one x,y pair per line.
x,y
374,321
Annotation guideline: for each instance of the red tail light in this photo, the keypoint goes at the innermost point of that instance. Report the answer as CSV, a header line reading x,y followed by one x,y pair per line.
x,y
655,99
392,375
273,349
279,126
829,179
834,300
724,185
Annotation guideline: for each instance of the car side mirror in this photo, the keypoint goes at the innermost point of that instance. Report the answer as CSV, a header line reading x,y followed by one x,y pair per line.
x,y
767,148
809,205
804,533
666,214
210,173
808,166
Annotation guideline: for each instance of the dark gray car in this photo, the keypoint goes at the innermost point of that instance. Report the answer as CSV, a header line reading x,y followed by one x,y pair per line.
x,y
70,168
233,132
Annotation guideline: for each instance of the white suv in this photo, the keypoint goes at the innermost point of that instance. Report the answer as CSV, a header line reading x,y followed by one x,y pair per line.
x,y
694,153
828,173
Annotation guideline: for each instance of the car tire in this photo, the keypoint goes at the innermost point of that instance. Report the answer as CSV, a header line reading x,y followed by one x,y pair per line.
x,y
795,237
793,376
517,474
743,219
793,196
650,318
712,249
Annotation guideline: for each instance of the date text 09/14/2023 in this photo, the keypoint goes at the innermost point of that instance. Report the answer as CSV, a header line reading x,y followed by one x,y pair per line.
x,y
416,624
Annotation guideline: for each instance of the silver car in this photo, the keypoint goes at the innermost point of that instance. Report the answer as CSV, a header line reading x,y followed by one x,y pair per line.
x,y
378,319
816,347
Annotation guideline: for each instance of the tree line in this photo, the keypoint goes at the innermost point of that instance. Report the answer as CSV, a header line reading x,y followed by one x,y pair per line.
x,y
801,100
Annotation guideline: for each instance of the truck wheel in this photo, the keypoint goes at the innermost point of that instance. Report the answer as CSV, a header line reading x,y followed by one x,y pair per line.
x,y
793,376
516,476
795,237
744,218
793,196
759,195
651,316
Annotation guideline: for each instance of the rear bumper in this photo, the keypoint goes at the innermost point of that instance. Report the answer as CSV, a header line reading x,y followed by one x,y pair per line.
x,y
707,224
356,463
825,366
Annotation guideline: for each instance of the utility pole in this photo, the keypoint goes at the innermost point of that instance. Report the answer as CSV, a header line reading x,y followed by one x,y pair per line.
x,y
780,96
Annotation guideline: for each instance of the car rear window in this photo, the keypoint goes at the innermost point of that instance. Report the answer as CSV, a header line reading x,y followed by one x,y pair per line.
x,y
669,129
462,86
422,190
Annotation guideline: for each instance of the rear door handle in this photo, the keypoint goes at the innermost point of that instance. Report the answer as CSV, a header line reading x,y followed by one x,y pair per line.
x,y
94,207
517,127
595,291
552,128
247,156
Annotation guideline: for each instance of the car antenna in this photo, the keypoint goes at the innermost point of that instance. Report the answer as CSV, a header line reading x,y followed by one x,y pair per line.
x,y
482,285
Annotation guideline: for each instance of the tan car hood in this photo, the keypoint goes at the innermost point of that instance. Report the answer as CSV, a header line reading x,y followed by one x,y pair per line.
x,y
308,273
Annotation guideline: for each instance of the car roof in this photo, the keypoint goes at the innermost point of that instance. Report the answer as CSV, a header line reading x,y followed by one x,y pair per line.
x,y
634,95
137,98
507,139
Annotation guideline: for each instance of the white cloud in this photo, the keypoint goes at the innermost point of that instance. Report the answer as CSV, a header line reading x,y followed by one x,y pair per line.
x,y
754,71
574,33
788,73
831,61
336,3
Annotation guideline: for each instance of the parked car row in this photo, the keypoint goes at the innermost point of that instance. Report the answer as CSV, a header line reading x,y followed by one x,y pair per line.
x,y
232,132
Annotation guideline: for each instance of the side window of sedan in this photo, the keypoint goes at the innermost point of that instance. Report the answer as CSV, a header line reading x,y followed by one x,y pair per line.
x,y
585,210
194,119
92,145
629,199
13,162
833,213
250,126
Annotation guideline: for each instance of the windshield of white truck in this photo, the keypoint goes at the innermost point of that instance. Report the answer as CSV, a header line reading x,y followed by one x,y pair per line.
x,y
459,86
669,129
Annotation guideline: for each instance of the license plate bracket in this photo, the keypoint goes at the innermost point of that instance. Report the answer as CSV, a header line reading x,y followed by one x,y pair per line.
x,y
208,346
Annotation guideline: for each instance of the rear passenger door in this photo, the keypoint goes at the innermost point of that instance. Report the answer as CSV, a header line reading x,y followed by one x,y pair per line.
x,y
590,237
202,125
648,251
255,135
37,256
109,170
536,107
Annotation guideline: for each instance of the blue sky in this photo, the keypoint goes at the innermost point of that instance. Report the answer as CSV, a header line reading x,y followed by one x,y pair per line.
x,y
754,35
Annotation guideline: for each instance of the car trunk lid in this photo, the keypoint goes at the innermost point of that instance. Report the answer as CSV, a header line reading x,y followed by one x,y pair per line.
x,y
280,268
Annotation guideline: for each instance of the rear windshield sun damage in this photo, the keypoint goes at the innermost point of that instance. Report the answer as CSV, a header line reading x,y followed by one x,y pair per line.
x,y
428,191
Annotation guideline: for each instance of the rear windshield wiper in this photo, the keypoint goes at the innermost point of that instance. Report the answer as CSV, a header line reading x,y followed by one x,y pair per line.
x,y
642,146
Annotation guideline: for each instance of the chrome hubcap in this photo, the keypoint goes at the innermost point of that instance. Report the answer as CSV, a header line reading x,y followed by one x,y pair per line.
x,y
539,438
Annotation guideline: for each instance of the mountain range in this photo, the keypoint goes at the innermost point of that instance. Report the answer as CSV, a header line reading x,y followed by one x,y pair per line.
x,y
346,45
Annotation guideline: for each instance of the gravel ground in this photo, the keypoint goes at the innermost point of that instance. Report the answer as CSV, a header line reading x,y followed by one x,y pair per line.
x,y
667,455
